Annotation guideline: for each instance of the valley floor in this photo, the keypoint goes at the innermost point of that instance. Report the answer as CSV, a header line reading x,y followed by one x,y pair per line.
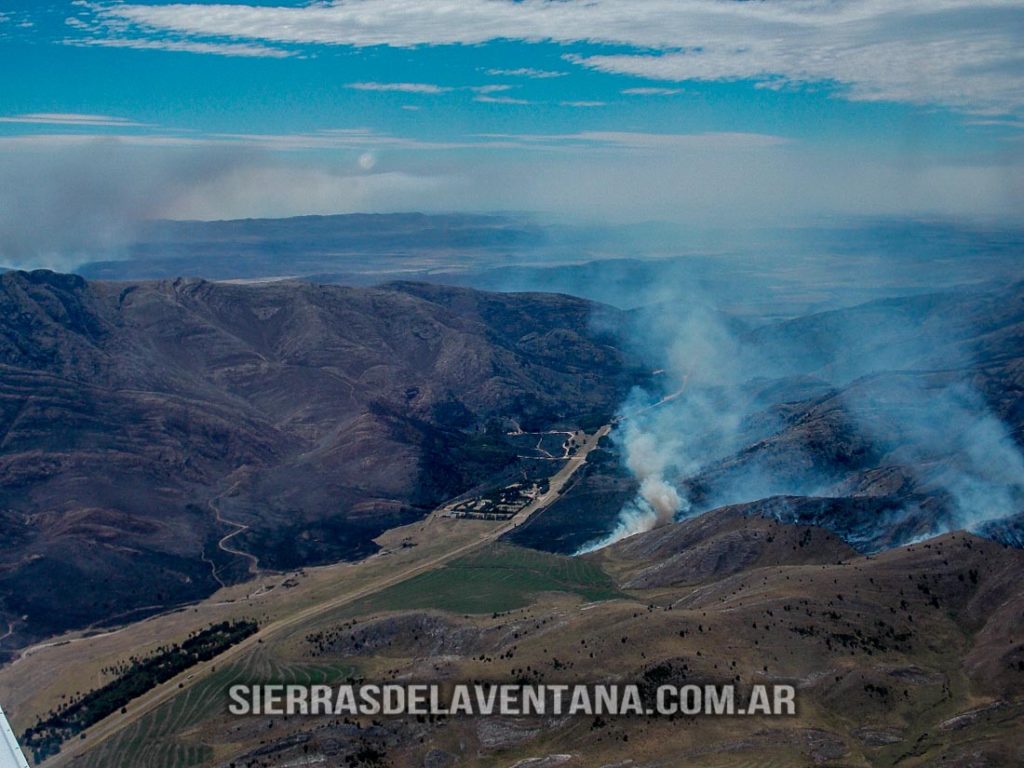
x,y
913,657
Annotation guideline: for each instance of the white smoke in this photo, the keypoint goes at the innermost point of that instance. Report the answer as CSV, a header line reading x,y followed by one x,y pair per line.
x,y
948,431
696,420
992,486
647,456
636,516
909,393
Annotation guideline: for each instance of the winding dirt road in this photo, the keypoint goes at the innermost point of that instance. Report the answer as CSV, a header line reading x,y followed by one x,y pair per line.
x,y
254,562
165,692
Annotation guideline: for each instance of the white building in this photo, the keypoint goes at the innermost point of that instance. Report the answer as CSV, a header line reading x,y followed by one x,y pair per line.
x,y
11,755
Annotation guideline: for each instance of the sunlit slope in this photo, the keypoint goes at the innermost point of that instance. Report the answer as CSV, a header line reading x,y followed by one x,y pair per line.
x,y
905,658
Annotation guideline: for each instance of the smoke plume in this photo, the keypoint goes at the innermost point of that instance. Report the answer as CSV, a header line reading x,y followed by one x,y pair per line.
x,y
692,419
647,456
822,406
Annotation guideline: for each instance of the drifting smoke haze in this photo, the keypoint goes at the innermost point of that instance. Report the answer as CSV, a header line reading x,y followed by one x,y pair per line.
x,y
745,407
90,200
69,199
63,207
991,488
820,407
947,430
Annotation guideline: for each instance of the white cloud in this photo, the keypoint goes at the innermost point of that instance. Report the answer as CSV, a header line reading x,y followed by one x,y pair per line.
x,y
651,91
54,141
69,118
583,104
500,100
356,140
710,140
244,50
959,53
364,140
495,88
428,88
659,141
537,74
400,87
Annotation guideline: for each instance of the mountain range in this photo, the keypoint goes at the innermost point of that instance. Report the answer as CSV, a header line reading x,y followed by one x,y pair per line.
x,y
143,423
162,439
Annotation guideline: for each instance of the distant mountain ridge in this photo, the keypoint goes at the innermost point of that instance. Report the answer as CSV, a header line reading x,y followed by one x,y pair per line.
x,y
759,273
363,246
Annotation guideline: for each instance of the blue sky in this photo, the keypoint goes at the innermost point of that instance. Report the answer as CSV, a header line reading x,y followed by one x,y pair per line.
x,y
630,109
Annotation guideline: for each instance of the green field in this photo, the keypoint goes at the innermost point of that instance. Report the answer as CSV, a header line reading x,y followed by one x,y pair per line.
x,y
495,579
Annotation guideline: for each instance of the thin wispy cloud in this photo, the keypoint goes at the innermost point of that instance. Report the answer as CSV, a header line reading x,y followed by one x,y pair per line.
x,y
536,74
69,119
428,88
641,140
51,141
708,140
500,100
243,50
357,140
494,88
959,53
583,104
365,139
651,91
16,20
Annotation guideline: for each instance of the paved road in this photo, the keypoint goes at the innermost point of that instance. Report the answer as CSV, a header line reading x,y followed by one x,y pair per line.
x,y
165,692
559,480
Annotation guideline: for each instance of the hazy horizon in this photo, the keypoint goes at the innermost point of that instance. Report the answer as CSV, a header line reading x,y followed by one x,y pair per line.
x,y
733,114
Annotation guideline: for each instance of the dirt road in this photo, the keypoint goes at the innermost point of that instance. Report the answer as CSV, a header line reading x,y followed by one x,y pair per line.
x,y
168,690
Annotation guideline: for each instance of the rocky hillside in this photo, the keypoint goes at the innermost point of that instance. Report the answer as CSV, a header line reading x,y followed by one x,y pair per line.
x,y
910,658
141,423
